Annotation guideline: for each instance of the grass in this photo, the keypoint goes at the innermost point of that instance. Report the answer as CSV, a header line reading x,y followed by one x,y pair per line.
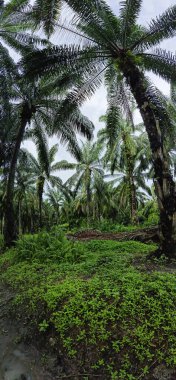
x,y
107,317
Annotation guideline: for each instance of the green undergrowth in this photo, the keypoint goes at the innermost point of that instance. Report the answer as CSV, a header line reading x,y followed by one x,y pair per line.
x,y
106,226
106,317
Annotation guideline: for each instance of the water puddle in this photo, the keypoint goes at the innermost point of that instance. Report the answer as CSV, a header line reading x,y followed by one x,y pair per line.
x,y
18,361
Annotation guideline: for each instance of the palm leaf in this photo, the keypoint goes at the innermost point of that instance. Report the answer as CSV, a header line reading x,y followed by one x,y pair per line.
x,y
129,11
45,13
63,165
161,28
40,139
162,63
52,152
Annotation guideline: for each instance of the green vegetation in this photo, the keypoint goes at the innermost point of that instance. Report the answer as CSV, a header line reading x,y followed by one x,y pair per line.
x,y
102,306
42,91
107,316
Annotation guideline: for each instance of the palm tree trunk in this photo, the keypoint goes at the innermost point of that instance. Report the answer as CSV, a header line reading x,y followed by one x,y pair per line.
x,y
133,200
164,183
10,233
131,184
88,196
40,212
1,229
31,224
19,218
40,186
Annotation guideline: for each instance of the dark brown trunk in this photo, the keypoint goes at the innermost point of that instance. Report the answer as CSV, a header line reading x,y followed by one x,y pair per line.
x,y
88,195
132,188
10,230
133,200
40,185
164,183
19,219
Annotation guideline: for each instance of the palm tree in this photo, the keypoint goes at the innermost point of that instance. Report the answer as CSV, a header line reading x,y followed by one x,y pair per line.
x,y
24,185
37,102
121,49
128,155
88,169
56,200
43,168
102,198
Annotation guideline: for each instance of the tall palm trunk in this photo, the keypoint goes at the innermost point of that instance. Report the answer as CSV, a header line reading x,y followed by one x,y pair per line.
x,y
19,218
1,228
10,232
88,196
40,187
164,183
131,184
133,200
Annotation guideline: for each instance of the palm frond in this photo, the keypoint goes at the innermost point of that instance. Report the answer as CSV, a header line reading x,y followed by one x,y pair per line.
x,y
14,6
69,114
162,63
32,162
45,14
40,139
113,118
52,153
129,11
119,93
55,59
173,92
159,106
63,165
161,28
55,181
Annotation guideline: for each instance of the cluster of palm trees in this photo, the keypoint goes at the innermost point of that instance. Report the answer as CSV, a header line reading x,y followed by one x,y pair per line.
x,y
103,185
42,93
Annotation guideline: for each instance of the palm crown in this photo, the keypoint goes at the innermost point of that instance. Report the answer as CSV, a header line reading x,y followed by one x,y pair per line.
x,y
116,39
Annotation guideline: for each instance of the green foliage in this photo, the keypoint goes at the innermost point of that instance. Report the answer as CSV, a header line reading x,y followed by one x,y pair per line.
x,y
108,226
1,241
45,247
149,214
107,317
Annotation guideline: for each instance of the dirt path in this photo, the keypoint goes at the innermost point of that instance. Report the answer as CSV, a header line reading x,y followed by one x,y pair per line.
x,y
143,235
18,361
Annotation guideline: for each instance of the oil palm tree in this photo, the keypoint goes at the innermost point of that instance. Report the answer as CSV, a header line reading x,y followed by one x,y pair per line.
x,y
24,185
88,168
102,198
37,102
43,170
120,49
56,200
128,155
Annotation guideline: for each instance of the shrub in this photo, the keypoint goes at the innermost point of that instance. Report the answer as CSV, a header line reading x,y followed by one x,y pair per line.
x,y
107,317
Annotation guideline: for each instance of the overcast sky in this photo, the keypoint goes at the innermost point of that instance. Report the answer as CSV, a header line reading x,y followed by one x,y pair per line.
x,y
96,107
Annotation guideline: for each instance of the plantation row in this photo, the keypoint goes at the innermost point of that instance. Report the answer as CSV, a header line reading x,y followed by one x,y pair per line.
x,y
42,91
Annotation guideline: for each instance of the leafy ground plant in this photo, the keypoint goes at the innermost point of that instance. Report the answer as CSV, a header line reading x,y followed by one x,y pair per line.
x,y
108,318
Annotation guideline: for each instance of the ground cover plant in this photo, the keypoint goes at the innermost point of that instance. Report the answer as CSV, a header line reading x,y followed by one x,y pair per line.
x,y
108,317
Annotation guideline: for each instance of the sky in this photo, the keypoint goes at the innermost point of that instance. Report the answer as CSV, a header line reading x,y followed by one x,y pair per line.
x,y
96,106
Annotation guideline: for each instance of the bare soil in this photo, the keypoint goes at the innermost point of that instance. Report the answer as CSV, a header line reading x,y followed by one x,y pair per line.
x,y
144,235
